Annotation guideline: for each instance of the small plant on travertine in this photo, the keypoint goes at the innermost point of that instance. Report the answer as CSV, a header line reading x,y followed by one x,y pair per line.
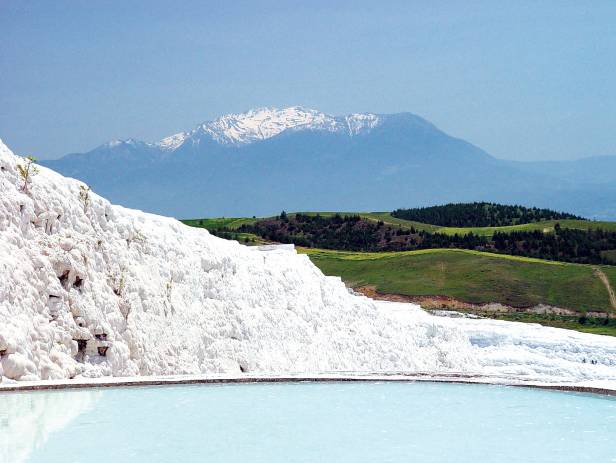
x,y
169,289
137,237
27,171
119,287
84,196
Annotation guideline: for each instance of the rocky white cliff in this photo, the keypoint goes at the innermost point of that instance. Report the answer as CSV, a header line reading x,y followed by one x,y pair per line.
x,y
92,289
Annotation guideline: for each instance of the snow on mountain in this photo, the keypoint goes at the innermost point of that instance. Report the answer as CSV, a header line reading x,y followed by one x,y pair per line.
x,y
128,142
263,123
358,123
89,289
172,142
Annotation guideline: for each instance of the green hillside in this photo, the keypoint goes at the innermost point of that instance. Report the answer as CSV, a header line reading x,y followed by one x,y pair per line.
x,y
386,217
218,223
470,276
545,226
567,240
479,277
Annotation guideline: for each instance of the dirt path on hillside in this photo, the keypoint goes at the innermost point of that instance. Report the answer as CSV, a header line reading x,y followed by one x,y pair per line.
x,y
603,277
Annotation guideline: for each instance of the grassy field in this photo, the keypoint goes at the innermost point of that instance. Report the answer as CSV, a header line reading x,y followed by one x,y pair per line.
x,y
222,222
611,274
470,276
475,277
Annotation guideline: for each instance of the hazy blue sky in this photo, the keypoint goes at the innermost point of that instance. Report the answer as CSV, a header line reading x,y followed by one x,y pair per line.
x,y
523,80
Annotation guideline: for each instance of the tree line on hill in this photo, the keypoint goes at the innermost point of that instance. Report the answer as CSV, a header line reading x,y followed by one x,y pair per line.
x,y
354,233
565,244
480,214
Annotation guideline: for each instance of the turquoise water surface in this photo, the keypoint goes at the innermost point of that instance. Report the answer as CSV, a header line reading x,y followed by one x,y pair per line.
x,y
313,422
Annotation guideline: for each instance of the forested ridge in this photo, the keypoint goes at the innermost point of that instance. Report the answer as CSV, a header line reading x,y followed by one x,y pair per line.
x,y
354,233
479,214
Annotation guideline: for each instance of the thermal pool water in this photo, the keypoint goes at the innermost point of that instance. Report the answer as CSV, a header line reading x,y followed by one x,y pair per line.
x,y
307,422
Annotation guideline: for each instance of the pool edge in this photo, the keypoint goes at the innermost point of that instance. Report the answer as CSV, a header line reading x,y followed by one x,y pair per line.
x,y
246,379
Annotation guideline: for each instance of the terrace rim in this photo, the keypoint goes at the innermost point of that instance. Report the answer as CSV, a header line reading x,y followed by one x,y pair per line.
x,y
599,388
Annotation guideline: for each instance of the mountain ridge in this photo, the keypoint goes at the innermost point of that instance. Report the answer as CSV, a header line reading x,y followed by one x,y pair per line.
x,y
260,124
300,159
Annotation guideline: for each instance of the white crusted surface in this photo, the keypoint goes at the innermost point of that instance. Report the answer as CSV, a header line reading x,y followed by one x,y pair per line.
x,y
164,298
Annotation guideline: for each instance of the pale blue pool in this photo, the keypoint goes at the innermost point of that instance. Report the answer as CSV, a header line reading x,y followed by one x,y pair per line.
x,y
312,422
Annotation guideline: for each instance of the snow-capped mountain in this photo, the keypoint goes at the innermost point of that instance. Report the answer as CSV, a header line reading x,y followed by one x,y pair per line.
x,y
263,123
265,160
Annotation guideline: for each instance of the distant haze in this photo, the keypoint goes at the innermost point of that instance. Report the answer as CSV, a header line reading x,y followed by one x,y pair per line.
x,y
522,80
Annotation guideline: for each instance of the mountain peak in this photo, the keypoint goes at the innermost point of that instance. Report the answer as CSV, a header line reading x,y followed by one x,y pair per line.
x,y
266,122
263,123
